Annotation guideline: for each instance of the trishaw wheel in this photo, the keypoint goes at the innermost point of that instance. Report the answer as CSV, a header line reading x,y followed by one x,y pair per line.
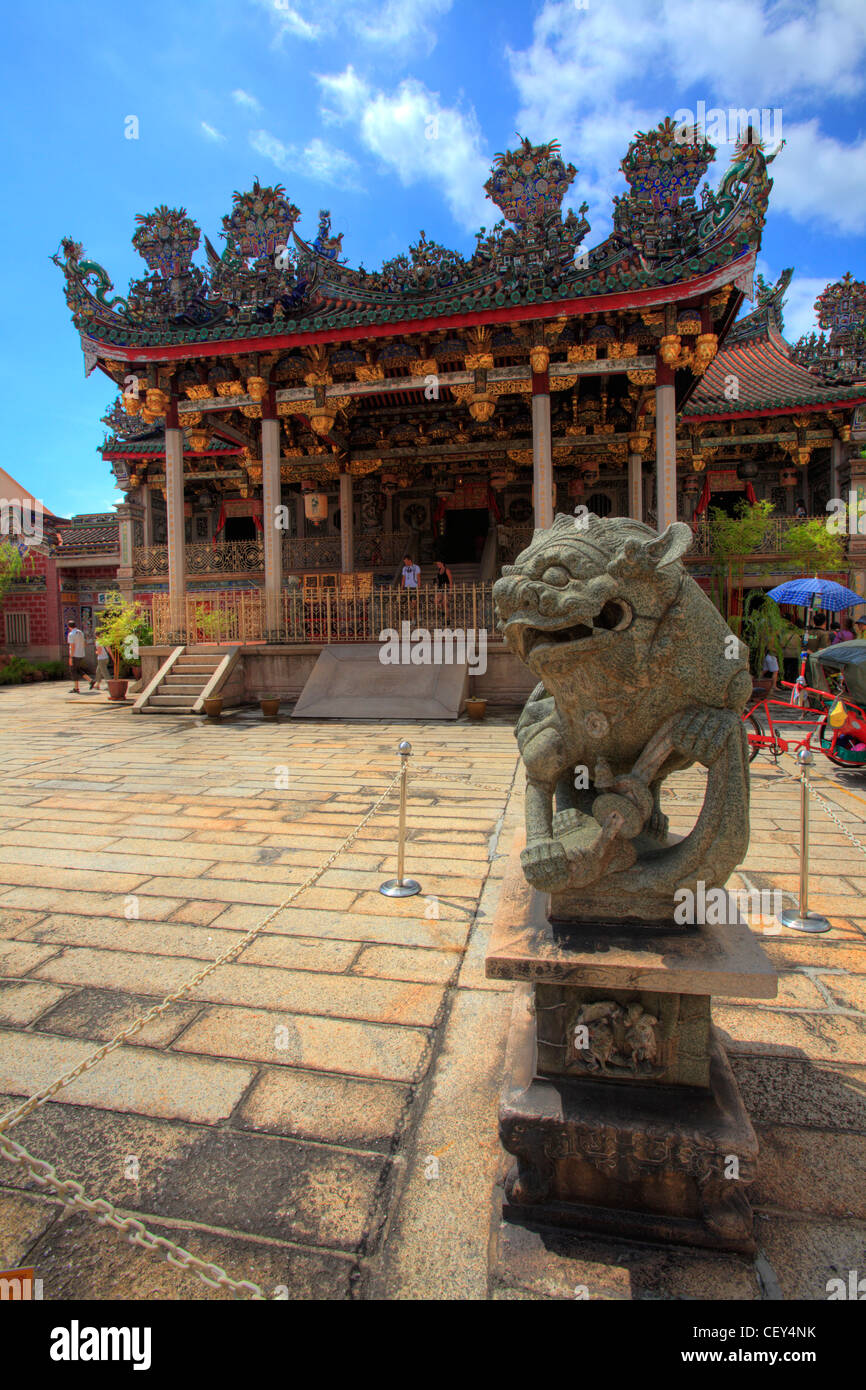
x,y
753,728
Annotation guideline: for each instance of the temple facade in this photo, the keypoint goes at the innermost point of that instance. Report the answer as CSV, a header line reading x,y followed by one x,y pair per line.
x,y
287,423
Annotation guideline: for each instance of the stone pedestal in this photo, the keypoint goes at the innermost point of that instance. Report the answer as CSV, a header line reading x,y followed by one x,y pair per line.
x,y
619,1104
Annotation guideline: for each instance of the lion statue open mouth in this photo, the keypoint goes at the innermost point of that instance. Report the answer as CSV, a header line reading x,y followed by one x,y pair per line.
x,y
639,676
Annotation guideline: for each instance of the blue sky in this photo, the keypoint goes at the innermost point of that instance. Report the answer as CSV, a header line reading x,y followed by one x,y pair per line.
x,y
336,100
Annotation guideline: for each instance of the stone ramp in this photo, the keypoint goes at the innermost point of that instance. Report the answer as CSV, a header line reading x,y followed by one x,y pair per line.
x,y
350,682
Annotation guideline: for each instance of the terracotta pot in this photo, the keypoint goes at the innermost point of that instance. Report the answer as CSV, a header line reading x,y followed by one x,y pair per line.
x,y
117,690
213,707
270,708
476,709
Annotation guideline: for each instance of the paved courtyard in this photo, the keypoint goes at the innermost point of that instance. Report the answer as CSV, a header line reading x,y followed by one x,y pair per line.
x,y
319,1115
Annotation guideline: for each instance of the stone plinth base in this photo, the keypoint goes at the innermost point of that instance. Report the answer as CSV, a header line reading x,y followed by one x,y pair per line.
x,y
619,1105
643,1162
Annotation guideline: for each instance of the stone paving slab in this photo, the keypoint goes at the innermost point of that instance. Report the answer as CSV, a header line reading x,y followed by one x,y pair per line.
x,y
284,1116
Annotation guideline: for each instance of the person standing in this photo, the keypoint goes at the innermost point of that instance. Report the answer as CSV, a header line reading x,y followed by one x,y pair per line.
x,y
409,576
102,659
76,646
844,632
444,581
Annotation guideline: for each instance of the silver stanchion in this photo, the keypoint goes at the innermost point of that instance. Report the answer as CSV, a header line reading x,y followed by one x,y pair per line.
x,y
401,887
800,918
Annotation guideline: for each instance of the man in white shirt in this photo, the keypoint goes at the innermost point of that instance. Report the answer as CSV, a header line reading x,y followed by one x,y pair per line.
x,y
411,573
77,647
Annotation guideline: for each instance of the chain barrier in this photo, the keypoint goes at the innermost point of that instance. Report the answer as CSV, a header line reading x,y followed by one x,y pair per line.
x,y
825,805
70,1192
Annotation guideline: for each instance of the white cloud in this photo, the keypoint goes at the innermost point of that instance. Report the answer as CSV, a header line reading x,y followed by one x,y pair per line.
x,y
318,160
211,133
411,132
819,180
391,24
347,91
577,76
242,98
799,306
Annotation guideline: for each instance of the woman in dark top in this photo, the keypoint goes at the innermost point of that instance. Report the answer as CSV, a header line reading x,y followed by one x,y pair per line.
x,y
444,581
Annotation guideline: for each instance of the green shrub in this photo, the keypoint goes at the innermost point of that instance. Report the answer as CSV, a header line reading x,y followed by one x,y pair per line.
x,y
51,670
17,671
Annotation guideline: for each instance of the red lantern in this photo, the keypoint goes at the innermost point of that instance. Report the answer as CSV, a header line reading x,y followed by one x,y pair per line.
x,y
316,506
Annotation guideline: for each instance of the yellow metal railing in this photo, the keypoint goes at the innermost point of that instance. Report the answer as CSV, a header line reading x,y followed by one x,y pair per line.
x,y
345,609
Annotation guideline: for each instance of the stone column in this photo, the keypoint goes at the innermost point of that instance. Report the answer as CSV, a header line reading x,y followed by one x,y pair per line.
x,y
347,524
666,446
129,514
835,466
542,459
272,535
145,497
635,487
175,527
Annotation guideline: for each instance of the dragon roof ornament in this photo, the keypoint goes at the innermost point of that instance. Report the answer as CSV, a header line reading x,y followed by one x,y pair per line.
x,y
268,278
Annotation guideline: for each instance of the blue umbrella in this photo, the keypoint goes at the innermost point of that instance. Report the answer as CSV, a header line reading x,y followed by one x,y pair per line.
x,y
816,593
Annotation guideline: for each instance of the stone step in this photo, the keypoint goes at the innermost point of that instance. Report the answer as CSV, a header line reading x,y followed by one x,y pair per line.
x,y
176,702
177,687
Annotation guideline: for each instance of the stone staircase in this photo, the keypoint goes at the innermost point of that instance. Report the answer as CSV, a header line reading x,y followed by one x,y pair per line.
x,y
181,682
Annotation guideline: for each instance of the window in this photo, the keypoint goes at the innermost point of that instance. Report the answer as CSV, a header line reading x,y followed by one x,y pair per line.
x,y
17,629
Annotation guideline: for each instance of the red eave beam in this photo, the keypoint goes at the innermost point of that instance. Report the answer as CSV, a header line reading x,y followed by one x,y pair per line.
x,y
777,410
545,309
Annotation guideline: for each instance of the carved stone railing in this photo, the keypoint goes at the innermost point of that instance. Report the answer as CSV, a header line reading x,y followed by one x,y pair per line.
x,y
244,557
299,554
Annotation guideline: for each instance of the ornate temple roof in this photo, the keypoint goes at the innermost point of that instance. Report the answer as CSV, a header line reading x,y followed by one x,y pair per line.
x,y
269,286
96,533
839,351
769,377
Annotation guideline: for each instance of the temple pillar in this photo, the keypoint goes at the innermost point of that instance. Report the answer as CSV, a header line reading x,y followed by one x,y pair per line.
x,y
635,487
145,497
175,528
129,515
666,446
272,535
835,467
542,459
347,524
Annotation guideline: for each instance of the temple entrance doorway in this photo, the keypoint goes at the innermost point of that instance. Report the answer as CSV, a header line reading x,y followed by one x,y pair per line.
x,y
465,533
239,528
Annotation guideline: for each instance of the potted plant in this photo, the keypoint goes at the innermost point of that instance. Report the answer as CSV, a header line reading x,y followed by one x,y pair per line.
x,y
476,707
270,706
117,630
213,707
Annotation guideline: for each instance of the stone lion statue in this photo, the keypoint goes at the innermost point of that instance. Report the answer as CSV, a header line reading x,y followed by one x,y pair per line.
x,y
640,676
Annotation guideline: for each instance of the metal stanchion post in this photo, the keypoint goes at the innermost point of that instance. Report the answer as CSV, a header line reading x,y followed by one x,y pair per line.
x,y
399,887
800,918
